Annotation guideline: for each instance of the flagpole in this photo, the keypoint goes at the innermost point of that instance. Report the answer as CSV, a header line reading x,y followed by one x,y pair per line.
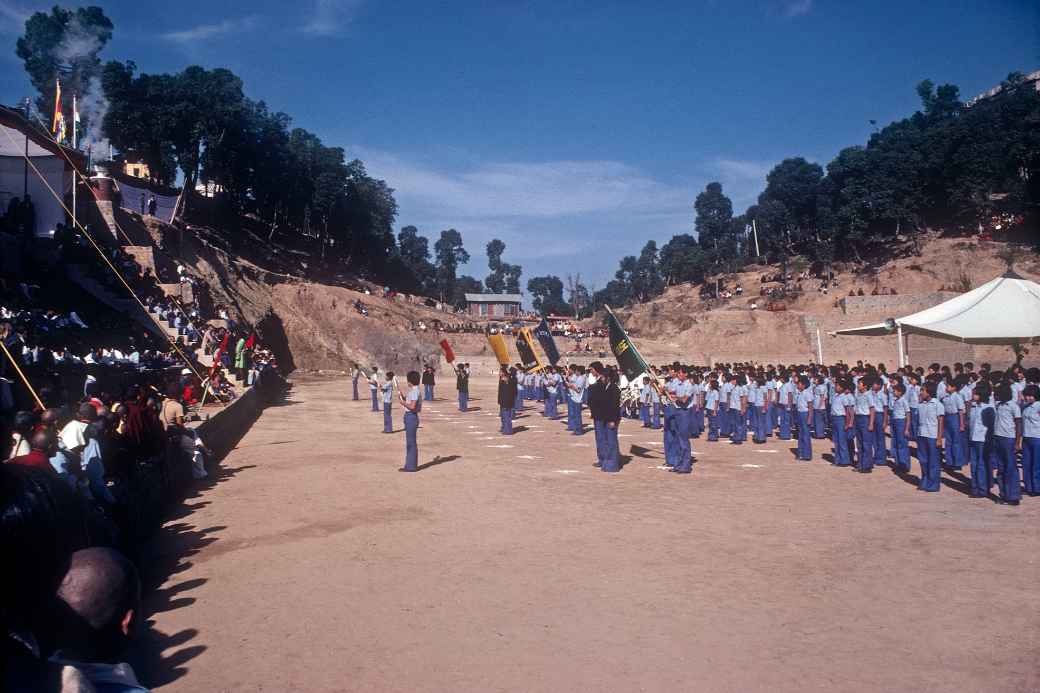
x,y
75,145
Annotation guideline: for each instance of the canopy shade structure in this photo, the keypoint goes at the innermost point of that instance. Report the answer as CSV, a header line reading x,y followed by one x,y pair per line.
x,y
1005,310
48,158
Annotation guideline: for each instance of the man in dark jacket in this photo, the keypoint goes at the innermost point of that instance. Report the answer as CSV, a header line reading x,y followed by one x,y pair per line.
x,y
462,385
605,408
506,398
428,383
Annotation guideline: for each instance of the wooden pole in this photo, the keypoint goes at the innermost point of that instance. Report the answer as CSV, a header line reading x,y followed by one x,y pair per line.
x,y
21,375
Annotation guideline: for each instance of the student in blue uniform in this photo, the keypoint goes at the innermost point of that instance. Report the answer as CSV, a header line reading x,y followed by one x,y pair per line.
x,y
899,424
725,419
738,403
820,408
696,405
880,420
552,385
864,422
1007,438
711,408
980,440
954,425
842,406
759,411
658,408
388,402
929,438
669,433
519,376
646,397
605,410
576,385
373,386
462,385
507,386
412,406
786,392
913,390
803,405
1031,440
357,376
682,400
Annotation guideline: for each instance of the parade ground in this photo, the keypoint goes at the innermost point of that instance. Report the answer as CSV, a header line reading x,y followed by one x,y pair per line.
x,y
513,564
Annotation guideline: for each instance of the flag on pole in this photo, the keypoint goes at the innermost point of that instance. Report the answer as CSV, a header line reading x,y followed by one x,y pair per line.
x,y
75,123
58,123
525,347
449,354
498,345
545,338
630,361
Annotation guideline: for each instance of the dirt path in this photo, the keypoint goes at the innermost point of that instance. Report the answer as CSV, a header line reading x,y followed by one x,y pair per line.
x,y
314,565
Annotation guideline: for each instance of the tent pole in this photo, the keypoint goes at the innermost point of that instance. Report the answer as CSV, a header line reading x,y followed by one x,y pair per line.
x,y
899,336
819,347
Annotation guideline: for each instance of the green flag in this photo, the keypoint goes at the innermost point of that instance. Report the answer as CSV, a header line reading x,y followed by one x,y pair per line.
x,y
630,361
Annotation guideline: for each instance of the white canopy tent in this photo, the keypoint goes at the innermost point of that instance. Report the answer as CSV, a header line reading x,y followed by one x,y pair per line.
x,y
1005,310
46,157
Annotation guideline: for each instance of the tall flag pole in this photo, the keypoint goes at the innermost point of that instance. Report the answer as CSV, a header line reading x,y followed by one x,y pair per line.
x,y
75,145
630,361
545,338
58,122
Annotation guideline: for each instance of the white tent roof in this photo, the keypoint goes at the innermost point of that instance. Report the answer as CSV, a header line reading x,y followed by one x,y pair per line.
x,y
1005,310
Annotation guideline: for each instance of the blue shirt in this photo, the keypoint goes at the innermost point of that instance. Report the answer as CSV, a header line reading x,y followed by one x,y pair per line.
x,y
735,394
976,427
864,403
820,396
711,400
683,389
1006,413
388,392
838,404
900,407
953,403
579,383
803,400
760,397
413,396
1031,421
913,395
929,412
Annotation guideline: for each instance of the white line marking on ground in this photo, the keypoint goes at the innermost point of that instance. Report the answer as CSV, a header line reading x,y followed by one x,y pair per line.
x,y
771,452
752,466
568,471
528,457
499,446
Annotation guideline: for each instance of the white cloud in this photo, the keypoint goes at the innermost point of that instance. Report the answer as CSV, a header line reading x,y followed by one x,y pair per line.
x,y
742,180
208,31
797,8
330,16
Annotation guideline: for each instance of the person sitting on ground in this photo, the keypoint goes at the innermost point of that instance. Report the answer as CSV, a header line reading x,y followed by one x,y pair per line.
x,y
96,613
43,445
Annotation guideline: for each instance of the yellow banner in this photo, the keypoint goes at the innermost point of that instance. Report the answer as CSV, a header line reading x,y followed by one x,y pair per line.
x,y
498,345
528,354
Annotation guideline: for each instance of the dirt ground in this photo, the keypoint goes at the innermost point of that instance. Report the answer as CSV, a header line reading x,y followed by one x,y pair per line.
x,y
512,564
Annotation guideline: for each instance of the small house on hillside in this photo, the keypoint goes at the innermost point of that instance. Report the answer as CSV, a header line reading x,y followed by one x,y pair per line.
x,y
493,305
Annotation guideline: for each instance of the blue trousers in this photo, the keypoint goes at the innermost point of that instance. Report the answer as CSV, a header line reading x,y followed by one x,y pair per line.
x,y
375,400
428,393
880,444
655,421
1007,468
760,423
607,452
570,414
839,436
713,425
981,459
388,419
819,423
928,457
519,405
644,414
463,400
739,423
915,420
785,423
696,422
804,441
356,396
952,438
900,443
669,435
1031,465
683,453
579,427
550,407
864,442
506,415
411,445
725,422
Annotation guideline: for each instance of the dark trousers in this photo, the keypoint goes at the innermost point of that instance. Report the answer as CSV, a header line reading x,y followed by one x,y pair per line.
x,y
683,453
1007,468
428,392
713,425
411,446
375,400
900,443
928,457
388,419
839,436
506,415
804,441
1031,465
980,457
864,443
463,400
356,396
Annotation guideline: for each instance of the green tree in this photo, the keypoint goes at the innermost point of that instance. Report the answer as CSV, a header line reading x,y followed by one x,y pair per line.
x,y
449,253
683,260
647,280
504,277
547,292
465,285
712,223
65,44
414,251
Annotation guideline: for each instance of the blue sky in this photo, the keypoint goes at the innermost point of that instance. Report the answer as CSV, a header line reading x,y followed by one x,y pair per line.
x,y
573,131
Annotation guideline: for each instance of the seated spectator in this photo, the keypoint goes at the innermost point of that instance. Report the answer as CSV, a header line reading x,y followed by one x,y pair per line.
x,y
43,444
95,616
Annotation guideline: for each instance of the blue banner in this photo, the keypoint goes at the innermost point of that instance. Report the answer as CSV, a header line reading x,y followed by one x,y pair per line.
x,y
545,338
